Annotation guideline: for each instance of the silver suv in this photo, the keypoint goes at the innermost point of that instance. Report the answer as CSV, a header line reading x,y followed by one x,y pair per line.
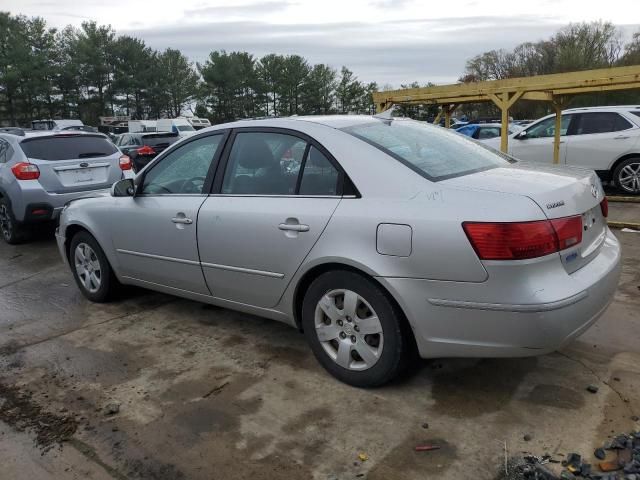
x,y
41,171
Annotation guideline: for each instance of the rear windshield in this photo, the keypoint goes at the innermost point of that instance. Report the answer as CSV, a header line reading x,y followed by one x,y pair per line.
x,y
68,147
433,152
160,139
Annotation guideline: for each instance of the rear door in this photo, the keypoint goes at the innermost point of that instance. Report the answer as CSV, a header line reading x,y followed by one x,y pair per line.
x,y
155,231
73,162
600,138
537,144
277,194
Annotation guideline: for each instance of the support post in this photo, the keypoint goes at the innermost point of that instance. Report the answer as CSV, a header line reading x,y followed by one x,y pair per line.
x,y
438,117
504,103
558,103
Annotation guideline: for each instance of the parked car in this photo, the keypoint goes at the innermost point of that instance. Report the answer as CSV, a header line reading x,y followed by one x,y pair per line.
x,y
41,171
605,139
143,147
391,236
485,131
181,126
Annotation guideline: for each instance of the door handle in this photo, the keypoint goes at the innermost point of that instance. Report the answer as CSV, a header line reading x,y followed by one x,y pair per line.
x,y
294,227
621,137
183,220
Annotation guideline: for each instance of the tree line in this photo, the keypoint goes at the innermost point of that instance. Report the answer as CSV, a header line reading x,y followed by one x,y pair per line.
x,y
90,71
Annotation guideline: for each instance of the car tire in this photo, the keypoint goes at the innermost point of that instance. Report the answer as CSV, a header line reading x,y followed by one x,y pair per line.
x,y
91,269
626,175
372,359
12,231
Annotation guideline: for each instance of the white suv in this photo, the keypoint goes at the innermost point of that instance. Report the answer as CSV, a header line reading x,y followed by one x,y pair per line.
x,y
605,139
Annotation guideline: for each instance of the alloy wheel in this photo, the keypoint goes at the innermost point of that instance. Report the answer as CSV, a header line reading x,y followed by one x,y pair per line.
x,y
629,177
88,267
5,222
349,330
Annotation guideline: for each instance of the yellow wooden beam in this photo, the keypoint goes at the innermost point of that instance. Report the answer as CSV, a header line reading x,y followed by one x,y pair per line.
x,y
604,79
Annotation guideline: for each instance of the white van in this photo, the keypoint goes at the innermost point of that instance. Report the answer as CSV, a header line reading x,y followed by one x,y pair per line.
x,y
142,126
181,126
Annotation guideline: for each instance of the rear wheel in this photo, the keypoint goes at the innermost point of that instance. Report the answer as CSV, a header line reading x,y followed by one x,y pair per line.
x,y
91,269
627,175
12,231
354,330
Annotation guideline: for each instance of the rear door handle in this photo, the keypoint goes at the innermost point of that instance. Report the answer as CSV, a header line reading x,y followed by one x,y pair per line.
x,y
183,220
621,137
294,227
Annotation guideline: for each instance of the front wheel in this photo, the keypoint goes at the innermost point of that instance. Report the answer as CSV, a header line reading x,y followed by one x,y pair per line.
x,y
91,269
354,330
627,175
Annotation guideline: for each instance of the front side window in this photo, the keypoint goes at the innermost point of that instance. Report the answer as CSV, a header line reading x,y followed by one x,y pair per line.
x,y
263,163
319,177
488,132
431,151
547,128
601,122
184,170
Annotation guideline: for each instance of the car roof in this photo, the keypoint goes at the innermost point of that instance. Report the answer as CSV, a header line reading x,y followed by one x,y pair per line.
x,y
611,108
58,133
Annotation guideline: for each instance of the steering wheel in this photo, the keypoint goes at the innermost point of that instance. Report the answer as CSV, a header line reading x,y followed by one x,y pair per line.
x,y
192,185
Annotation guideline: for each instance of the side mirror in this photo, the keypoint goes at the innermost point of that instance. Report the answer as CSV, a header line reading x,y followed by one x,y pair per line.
x,y
123,188
522,135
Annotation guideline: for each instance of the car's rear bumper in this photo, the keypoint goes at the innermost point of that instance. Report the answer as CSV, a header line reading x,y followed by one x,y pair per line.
x,y
521,315
40,206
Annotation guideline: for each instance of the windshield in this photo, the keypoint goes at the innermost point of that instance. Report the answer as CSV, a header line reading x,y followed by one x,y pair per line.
x,y
68,147
433,152
185,128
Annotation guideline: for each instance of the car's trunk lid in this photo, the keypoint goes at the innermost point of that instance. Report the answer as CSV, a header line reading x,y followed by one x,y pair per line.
x,y
559,192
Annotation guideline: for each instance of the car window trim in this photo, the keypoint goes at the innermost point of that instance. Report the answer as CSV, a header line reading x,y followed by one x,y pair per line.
x,y
216,189
215,161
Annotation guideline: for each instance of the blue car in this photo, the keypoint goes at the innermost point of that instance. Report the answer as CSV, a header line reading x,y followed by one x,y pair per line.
x,y
485,131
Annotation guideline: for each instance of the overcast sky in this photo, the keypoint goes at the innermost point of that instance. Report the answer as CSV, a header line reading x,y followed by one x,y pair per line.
x,y
388,41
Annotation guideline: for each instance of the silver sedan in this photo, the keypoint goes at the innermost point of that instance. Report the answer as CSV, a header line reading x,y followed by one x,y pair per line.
x,y
378,238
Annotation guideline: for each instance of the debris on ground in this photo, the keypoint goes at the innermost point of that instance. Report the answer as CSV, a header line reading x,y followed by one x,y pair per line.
x,y
425,425
112,409
592,389
19,410
617,459
363,457
426,448
527,438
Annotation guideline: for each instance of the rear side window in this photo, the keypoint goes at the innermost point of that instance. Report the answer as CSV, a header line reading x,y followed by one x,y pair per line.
x,y
5,151
601,122
433,152
319,177
68,147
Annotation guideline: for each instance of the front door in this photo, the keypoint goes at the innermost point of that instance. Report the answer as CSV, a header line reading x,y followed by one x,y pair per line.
x,y
536,142
276,197
155,231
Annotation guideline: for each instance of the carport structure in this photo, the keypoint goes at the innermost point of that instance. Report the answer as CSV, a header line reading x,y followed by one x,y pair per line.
x,y
555,88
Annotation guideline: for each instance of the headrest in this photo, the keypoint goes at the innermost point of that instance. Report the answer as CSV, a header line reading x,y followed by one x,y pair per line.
x,y
253,152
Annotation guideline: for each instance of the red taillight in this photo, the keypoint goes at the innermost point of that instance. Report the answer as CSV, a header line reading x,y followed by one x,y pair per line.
x,y
125,162
25,171
568,230
146,150
604,207
521,240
